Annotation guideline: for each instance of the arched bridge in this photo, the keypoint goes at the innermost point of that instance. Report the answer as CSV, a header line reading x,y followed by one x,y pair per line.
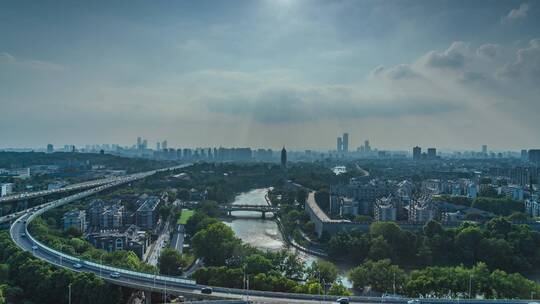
x,y
228,208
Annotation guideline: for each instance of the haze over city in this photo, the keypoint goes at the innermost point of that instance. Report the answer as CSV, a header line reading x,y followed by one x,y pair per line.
x,y
270,152
451,74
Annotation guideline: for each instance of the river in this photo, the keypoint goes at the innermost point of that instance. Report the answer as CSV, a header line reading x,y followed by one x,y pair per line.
x,y
265,234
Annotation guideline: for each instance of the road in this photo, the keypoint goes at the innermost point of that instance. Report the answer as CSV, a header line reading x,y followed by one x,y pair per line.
x,y
141,281
159,244
171,285
177,241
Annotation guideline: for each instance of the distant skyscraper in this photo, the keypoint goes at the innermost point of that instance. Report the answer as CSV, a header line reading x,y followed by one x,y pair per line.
x,y
50,148
283,158
524,155
534,156
139,143
345,142
339,145
484,149
164,145
367,148
158,146
431,153
417,153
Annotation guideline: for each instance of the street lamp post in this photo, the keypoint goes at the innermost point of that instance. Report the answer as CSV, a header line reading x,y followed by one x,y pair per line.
x,y
247,283
470,285
165,294
69,293
324,290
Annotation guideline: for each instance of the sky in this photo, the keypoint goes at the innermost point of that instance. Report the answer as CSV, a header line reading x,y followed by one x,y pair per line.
x,y
448,74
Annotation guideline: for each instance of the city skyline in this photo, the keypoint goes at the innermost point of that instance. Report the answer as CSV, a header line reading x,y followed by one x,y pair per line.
x,y
294,73
157,145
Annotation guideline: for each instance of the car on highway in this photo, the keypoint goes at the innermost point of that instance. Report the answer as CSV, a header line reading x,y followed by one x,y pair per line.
x,y
342,300
413,301
77,266
114,275
34,247
23,234
206,290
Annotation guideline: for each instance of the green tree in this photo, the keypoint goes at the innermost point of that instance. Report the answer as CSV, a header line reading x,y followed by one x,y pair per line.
x,y
338,289
380,275
170,262
2,299
380,249
301,196
468,241
322,198
499,226
210,208
183,194
433,228
73,232
257,263
4,273
496,253
216,244
323,271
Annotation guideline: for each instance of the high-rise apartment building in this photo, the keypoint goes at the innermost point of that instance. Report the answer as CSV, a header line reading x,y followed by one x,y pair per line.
x,y
50,148
6,189
524,155
339,144
384,210
417,153
431,153
345,142
534,156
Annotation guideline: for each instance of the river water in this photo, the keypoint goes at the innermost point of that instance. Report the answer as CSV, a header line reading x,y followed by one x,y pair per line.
x,y
265,234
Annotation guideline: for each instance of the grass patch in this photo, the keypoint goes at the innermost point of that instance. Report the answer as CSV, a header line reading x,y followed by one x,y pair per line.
x,y
184,217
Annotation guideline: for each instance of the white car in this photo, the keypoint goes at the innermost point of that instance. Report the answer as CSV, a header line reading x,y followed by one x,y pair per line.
x,y
77,266
34,247
114,275
413,301
343,301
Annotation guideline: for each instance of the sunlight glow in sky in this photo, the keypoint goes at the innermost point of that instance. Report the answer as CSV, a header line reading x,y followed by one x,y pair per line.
x,y
451,74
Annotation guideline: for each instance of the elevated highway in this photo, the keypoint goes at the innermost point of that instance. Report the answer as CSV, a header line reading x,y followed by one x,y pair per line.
x,y
79,186
171,285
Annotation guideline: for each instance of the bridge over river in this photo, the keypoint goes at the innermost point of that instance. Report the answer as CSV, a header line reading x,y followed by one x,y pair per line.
x,y
228,208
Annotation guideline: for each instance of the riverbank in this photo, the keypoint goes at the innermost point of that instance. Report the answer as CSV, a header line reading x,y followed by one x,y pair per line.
x,y
266,234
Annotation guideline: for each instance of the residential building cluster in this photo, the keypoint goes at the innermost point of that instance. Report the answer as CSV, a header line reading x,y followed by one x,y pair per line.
x,y
111,226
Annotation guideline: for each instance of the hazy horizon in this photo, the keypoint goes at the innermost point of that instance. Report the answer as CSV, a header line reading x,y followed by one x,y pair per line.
x,y
445,74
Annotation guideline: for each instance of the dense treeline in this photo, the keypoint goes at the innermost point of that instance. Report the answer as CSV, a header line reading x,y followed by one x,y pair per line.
x,y
497,205
498,243
25,279
222,181
228,261
442,281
